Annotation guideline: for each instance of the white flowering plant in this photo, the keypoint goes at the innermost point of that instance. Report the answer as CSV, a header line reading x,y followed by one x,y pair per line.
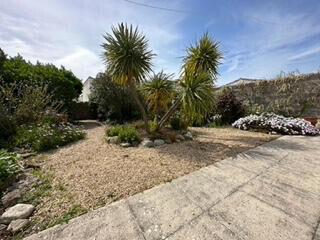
x,y
270,122
44,136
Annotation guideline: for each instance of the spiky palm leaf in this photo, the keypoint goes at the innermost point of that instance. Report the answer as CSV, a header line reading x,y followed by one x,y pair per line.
x,y
158,92
196,95
126,54
203,56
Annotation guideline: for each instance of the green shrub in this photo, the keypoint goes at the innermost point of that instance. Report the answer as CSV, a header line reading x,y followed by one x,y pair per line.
x,y
113,101
62,84
7,127
153,126
216,121
128,134
42,137
8,167
114,131
125,133
175,123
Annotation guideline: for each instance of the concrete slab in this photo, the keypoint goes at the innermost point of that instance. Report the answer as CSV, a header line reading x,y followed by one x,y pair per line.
x,y
228,174
250,218
203,227
162,210
202,190
112,222
298,203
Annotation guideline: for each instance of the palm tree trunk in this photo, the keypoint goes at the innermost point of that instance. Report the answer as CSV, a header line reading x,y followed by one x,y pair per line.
x,y
167,116
135,96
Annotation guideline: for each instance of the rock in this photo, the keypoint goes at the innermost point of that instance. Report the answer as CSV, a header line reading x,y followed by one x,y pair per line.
x,y
125,145
168,141
113,140
18,211
159,142
17,225
2,227
11,198
188,136
146,143
180,137
26,155
318,124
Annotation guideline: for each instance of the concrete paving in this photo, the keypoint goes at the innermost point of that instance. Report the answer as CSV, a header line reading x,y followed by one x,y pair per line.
x,y
269,192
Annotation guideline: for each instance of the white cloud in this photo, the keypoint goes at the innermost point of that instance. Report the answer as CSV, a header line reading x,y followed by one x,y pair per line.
x,y
270,45
82,61
70,32
304,54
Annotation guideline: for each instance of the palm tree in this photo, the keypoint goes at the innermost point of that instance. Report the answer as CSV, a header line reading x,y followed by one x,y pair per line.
x,y
200,69
128,60
203,56
158,92
195,97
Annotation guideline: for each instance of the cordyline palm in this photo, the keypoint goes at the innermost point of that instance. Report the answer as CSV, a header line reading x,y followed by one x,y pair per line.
x,y
158,92
128,59
196,84
204,56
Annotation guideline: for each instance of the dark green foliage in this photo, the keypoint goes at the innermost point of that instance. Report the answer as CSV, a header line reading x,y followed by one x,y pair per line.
x,y
7,127
62,84
125,133
46,136
229,107
8,167
113,101
177,123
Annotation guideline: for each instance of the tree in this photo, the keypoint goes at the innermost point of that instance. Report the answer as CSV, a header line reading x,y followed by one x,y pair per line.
x,y
195,96
113,100
158,92
203,56
200,68
128,60
62,84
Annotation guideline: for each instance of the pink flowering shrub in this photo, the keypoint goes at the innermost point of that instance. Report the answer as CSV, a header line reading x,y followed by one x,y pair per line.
x,y
270,122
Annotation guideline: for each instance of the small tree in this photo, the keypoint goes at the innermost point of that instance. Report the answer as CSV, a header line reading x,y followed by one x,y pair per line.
x,y
158,92
128,59
196,84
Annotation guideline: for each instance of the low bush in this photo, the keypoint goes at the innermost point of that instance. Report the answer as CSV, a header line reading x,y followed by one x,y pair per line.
x,y
270,122
125,133
114,131
8,167
128,134
177,123
229,107
46,136
216,121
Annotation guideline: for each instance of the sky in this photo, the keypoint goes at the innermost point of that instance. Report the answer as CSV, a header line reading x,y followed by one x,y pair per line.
x,y
258,39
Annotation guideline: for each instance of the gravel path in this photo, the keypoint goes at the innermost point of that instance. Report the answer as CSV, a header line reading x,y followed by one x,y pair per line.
x,y
92,173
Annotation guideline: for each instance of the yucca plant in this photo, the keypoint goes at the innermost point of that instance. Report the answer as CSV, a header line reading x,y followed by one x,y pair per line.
x,y
195,97
158,92
200,69
204,56
128,60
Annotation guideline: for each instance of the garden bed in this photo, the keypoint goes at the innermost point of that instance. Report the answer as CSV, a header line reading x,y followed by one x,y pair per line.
x,y
92,173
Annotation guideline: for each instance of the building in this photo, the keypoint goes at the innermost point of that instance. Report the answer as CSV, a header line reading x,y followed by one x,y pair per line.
x,y
84,97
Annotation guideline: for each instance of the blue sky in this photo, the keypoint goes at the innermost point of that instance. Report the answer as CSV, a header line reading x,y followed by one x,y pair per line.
x,y
258,38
